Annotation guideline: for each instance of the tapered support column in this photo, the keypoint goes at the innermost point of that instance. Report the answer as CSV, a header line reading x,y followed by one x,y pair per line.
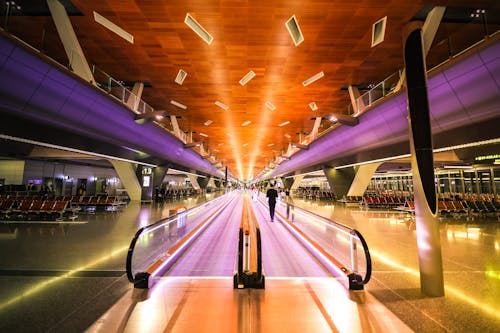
x,y
70,42
363,177
126,172
428,236
340,180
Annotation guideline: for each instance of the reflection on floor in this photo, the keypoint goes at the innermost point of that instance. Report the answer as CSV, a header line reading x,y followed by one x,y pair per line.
x,y
89,257
211,305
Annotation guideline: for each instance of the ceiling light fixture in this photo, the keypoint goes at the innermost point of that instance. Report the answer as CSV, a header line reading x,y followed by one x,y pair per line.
x,y
313,78
245,144
246,123
284,123
270,145
179,105
113,27
313,106
270,106
198,29
203,135
250,75
181,75
294,30
208,122
288,136
222,105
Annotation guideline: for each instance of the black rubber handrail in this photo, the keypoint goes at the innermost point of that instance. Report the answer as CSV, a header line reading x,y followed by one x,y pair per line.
x,y
351,231
128,263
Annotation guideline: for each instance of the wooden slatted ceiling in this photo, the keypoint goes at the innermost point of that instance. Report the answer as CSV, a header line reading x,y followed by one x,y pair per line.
x,y
248,35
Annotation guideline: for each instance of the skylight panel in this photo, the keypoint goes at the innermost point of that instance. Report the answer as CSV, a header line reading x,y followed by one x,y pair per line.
x,y
198,29
378,31
294,30
113,27
313,78
222,105
248,76
181,76
179,105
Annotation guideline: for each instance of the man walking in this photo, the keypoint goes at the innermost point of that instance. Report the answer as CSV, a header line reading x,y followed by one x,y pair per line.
x,y
271,195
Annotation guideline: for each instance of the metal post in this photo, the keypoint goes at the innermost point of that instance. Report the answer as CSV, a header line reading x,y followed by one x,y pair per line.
x,y
354,254
246,251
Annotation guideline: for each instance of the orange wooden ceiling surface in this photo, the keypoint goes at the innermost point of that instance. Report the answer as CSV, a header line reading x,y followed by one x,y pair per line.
x,y
248,35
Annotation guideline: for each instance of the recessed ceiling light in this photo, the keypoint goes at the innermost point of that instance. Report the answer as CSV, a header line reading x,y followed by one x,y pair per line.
x,y
179,105
208,122
284,123
158,117
270,145
204,135
245,144
246,123
288,136
196,27
378,31
113,27
181,75
313,78
222,105
229,135
270,106
313,106
220,144
250,75
293,28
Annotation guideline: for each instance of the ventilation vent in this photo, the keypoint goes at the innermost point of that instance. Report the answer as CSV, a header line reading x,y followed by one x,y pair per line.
x,y
181,75
222,105
270,106
293,28
250,75
196,27
378,31
113,27
179,105
313,78
313,106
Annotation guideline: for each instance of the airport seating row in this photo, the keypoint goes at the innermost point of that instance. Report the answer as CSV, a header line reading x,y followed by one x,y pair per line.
x,y
13,209
315,194
459,207
379,201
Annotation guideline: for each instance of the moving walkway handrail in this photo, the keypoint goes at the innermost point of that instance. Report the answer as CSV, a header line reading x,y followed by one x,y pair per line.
x,y
181,215
247,274
350,232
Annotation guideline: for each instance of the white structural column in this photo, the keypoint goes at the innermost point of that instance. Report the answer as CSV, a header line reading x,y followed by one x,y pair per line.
x,y
70,41
314,132
194,182
126,173
211,182
296,182
362,178
134,98
354,95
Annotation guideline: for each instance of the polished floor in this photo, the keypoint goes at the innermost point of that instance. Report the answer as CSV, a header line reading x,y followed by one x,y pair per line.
x,y
68,278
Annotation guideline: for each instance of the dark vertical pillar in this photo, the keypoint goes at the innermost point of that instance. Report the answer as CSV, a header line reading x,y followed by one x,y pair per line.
x,y
203,182
428,236
340,180
287,182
